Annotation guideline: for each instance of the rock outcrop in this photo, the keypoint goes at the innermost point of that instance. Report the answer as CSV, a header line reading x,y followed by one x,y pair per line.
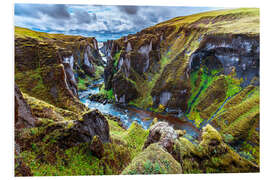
x,y
66,134
203,66
24,117
159,62
93,123
51,67
163,134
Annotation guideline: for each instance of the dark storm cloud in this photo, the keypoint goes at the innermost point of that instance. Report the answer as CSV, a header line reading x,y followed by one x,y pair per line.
x,y
143,16
131,10
103,22
84,17
58,11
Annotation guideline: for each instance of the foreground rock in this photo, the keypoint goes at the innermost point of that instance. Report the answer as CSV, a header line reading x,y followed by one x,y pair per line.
x,y
60,135
153,160
93,123
211,155
73,133
163,134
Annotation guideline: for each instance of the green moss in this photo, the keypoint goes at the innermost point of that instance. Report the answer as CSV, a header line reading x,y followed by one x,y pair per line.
x,y
107,93
81,84
212,155
201,81
145,87
48,113
153,160
31,81
134,136
78,160
233,85
47,84
228,138
99,72
116,59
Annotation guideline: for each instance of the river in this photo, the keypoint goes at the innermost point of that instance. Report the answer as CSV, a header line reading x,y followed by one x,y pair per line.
x,y
128,114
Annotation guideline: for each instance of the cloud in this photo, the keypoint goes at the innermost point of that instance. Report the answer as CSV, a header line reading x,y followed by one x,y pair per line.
x,y
131,10
84,17
103,22
58,11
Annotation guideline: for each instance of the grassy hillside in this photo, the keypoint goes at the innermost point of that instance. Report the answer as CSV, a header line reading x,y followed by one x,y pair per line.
x,y
203,68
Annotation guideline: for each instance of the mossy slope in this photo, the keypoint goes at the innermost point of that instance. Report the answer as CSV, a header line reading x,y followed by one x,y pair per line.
x,y
51,67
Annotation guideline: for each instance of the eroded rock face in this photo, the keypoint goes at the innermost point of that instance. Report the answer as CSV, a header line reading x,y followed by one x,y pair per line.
x,y
163,134
39,61
128,58
23,114
165,56
66,134
93,124
123,89
70,78
240,52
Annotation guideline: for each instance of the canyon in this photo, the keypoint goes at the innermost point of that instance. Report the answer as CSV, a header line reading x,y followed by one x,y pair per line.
x,y
178,97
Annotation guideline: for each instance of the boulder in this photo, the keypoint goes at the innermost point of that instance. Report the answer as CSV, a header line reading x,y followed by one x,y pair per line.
x,y
93,123
66,134
163,134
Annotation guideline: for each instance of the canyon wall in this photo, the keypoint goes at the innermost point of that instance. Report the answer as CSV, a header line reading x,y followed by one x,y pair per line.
x,y
49,67
203,68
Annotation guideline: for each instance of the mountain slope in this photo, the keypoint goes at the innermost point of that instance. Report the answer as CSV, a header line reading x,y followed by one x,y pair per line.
x,y
52,66
200,67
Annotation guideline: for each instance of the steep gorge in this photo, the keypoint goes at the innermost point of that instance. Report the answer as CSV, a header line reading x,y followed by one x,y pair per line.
x,y
203,69
51,67
157,63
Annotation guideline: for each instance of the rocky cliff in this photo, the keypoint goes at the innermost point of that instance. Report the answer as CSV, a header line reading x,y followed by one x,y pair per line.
x,y
157,64
49,118
203,67
51,67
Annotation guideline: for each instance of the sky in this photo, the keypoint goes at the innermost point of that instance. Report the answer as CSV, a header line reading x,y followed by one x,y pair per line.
x,y
102,22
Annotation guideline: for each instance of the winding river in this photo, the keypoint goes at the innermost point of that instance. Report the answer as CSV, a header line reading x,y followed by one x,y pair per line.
x,y
128,114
